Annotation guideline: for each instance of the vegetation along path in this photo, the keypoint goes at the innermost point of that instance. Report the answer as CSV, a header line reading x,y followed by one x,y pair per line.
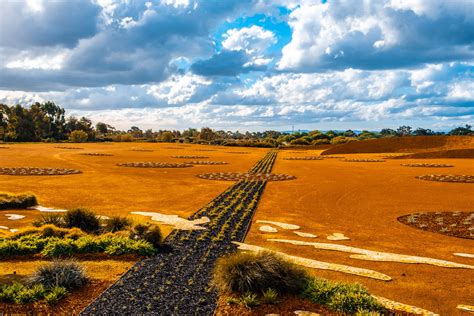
x,y
178,282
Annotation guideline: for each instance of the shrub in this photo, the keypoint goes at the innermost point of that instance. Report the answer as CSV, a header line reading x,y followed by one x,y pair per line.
x,y
67,274
257,272
21,201
78,136
120,245
20,294
270,296
341,297
342,140
59,248
117,223
56,294
151,234
82,218
52,218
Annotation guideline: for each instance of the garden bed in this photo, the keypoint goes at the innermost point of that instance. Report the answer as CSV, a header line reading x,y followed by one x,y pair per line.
x,y
455,224
154,165
96,154
426,165
364,160
29,171
447,178
191,157
236,176
203,162
305,158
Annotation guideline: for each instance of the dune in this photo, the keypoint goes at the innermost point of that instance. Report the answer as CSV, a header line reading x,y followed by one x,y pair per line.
x,y
413,144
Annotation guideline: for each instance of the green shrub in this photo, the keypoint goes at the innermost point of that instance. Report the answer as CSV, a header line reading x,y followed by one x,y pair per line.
x,y
59,248
120,245
82,218
249,300
117,223
151,234
341,297
270,296
257,272
20,201
67,274
56,294
78,136
20,294
51,218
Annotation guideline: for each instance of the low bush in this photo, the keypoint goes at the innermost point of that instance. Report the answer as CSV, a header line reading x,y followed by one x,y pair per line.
x,y
56,294
257,272
249,300
341,297
117,223
150,233
20,294
82,218
270,296
67,274
20,201
59,248
50,219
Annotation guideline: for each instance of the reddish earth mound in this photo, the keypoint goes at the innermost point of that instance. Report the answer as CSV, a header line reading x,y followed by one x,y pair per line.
x,y
452,153
456,224
403,144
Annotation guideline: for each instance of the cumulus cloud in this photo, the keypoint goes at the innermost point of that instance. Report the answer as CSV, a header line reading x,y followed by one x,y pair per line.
x,y
378,34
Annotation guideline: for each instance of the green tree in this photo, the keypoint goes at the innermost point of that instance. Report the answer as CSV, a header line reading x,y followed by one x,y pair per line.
x,y
78,136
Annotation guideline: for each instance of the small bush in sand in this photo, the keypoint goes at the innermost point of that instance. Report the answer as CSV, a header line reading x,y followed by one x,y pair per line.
x,y
117,223
82,218
56,294
342,297
257,272
20,201
149,233
52,218
67,274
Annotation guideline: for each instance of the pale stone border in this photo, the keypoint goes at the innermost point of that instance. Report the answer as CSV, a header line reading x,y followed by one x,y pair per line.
x,y
176,221
268,229
397,306
364,254
280,224
14,217
465,255
306,235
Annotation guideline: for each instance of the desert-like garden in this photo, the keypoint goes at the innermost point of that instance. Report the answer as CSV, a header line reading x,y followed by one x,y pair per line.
x,y
147,222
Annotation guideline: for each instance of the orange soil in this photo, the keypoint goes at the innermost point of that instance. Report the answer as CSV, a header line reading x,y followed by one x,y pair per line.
x,y
451,153
403,144
363,201
109,189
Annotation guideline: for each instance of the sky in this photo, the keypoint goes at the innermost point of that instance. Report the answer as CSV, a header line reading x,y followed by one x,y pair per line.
x,y
243,64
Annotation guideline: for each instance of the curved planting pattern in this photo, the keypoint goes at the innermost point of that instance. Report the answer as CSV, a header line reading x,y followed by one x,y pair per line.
x,y
178,282
149,164
447,178
236,176
27,171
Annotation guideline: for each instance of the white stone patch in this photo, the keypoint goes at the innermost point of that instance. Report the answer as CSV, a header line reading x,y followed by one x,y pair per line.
x,y
364,254
103,217
466,308
337,236
280,224
13,230
400,307
319,264
4,227
465,255
306,235
14,217
47,209
268,229
176,221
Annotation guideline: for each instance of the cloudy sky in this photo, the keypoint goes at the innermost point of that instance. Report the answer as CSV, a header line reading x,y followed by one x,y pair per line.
x,y
247,65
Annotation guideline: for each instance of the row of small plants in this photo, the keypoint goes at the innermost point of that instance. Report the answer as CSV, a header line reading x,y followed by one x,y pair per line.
x,y
265,165
17,201
251,279
182,278
80,231
49,283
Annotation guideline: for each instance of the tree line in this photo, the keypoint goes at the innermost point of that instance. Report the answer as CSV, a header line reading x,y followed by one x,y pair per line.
x,y
47,122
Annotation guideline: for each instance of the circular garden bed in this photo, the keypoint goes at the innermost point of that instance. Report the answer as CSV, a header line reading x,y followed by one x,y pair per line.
x,y
203,162
236,176
26,171
456,224
304,158
447,178
426,165
364,160
154,165
66,147
96,154
190,157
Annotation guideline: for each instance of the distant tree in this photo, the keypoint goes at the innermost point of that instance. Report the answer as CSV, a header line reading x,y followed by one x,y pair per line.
x,y
167,137
462,131
342,140
101,128
57,120
366,135
349,133
149,134
423,132
387,132
404,130
78,136
83,124
207,134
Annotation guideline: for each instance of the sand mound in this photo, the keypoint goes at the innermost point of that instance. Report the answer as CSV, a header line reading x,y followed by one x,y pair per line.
x,y
447,178
154,165
451,153
413,144
236,176
26,171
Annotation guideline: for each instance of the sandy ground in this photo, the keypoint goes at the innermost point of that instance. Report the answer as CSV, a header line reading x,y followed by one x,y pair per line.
x,y
109,189
363,201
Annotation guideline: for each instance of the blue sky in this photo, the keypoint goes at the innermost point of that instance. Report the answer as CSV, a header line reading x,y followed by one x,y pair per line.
x,y
243,64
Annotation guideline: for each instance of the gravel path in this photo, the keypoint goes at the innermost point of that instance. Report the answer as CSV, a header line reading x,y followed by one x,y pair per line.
x,y
178,282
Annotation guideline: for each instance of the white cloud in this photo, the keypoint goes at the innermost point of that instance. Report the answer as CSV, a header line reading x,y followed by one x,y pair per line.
x,y
178,89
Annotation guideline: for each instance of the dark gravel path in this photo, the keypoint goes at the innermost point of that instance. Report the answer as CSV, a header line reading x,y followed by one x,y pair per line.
x,y
178,282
